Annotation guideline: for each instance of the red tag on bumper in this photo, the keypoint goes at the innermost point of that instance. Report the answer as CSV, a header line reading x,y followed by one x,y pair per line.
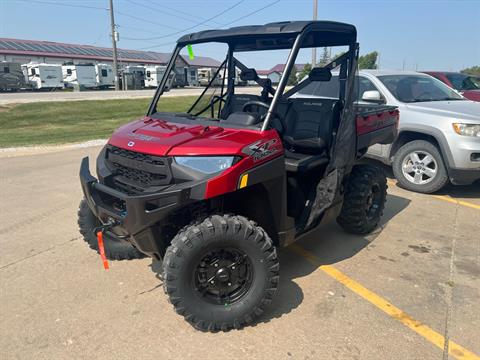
x,y
101,249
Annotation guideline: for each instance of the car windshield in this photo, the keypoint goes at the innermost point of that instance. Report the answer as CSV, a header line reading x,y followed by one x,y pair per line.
x,y
418,88
464,82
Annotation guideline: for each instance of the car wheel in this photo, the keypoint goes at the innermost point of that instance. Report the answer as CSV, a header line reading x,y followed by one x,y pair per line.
x,y
221,273
418,166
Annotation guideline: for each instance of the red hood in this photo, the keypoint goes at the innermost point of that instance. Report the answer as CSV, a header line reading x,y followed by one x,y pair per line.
x,y
161,138
472,94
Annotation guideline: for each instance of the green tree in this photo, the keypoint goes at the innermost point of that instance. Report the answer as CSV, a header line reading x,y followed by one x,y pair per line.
x,y
368,61
474,70
292,79
325,59
305,71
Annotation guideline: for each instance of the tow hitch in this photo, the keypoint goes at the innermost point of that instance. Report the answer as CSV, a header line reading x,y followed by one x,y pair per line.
x,y
98,231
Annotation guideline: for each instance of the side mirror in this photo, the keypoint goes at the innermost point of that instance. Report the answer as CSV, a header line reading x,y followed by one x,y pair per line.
x,y
248,75
320,74
372,96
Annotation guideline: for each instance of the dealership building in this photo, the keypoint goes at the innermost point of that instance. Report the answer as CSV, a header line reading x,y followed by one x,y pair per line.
x,y
26,51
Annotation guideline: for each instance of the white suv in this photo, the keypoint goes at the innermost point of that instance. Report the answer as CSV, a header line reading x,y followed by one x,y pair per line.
x,y
439,130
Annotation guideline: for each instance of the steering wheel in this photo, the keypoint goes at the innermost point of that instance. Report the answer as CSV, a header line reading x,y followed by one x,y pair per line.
x,y
249,104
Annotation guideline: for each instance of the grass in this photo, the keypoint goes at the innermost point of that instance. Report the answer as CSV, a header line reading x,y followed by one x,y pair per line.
x,y
74,121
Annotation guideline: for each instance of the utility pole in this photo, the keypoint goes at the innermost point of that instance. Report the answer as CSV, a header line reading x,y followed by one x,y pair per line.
x,y
114,45
314,50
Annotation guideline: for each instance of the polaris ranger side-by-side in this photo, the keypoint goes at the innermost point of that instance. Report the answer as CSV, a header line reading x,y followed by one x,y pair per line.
x,y
214,190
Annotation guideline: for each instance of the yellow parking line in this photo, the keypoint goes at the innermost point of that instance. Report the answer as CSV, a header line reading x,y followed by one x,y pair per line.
x,y
455,201
431,335
445,198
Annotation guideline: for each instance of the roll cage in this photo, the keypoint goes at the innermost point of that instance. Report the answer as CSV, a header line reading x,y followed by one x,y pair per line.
x,y
275,36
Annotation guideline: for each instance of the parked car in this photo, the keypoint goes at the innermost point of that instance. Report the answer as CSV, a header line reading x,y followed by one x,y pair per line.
x,y
439,130
467,85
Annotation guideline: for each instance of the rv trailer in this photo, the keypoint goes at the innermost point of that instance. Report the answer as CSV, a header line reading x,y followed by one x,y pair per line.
x,y
11,76
134,77
154,74
43,76
79,76
104,76
205,75
181,75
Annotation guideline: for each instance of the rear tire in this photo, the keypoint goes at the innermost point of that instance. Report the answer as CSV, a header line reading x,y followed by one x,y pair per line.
x,y
364,200
244,264
114,249
410,165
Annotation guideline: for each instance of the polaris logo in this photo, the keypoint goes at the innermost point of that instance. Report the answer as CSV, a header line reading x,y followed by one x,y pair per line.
x,y
130,143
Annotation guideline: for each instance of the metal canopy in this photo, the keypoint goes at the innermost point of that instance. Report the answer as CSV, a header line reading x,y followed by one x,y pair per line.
x,y
279,35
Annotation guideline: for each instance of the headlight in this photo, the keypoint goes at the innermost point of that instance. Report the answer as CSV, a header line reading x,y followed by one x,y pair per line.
x,y
467,129
205,164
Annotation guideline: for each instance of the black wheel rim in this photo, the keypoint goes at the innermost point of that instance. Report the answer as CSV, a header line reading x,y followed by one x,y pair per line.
x,y
374,200
223,276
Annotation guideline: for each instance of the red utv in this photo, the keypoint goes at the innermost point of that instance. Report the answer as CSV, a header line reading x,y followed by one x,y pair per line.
x,y
214,190
467,85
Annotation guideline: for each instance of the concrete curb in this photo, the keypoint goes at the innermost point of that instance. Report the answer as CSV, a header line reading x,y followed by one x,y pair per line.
x,y
43,149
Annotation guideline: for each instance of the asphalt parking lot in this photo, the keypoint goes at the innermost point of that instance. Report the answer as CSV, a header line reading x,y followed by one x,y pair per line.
x,y
395,294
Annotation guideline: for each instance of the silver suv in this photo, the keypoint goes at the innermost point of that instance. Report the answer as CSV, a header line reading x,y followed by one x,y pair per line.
x,y
439,130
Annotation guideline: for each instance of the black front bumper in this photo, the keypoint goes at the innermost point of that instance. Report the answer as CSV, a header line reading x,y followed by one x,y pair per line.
x,y
137,214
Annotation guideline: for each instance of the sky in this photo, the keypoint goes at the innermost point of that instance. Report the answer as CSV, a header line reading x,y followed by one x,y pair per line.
x,y
410,34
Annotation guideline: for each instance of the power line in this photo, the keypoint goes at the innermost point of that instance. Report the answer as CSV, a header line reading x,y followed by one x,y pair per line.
x,y
63,4
252,13
136,29
191,27
190,15
162,11
144,20
231,22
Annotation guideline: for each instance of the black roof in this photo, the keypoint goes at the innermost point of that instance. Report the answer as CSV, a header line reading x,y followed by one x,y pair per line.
x,y
278,35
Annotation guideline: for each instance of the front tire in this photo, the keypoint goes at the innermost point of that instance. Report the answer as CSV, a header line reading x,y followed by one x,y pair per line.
x,y
364,200
418,166
221,273
114,249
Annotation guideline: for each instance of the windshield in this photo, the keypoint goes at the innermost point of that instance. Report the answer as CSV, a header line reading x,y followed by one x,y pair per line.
x,y
464,82
418,88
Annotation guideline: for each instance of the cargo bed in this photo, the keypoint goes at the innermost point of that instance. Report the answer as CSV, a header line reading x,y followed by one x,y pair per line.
x,y
376,124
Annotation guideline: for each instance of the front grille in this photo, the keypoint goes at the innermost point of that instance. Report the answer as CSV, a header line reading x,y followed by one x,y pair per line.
x,y
134,172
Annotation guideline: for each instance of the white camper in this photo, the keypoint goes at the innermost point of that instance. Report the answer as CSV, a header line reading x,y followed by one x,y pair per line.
x,y
81,75
104,75
154,74
205,75
43,76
